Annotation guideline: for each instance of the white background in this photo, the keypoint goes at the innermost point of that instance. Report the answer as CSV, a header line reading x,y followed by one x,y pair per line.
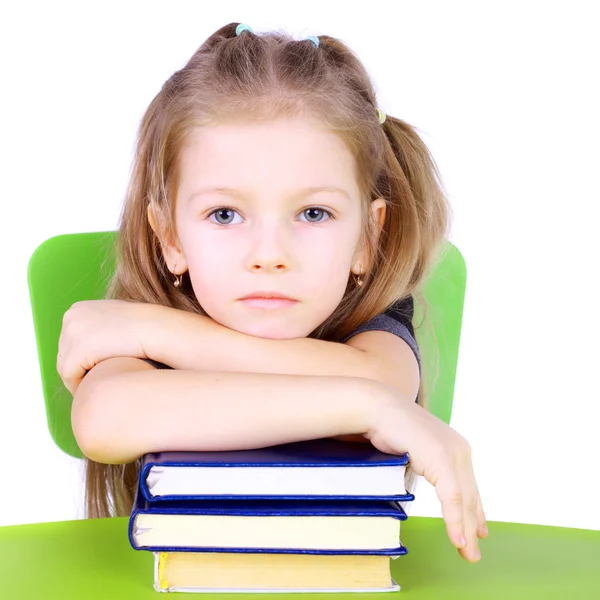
x,y
506,96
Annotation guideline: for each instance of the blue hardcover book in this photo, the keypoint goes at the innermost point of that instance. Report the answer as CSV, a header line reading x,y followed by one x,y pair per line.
x,y
268,526
314,469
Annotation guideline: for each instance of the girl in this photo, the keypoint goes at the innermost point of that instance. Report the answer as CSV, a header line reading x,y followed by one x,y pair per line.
x,y
275,229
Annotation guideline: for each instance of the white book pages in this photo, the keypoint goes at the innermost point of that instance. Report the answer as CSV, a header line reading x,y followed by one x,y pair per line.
x,y
275,481
229,531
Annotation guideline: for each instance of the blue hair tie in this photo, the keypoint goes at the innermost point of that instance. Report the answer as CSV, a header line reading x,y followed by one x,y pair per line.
x,y
314,39
242,27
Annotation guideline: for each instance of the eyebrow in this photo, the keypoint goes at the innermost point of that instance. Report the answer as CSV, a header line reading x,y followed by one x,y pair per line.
x,y
303,192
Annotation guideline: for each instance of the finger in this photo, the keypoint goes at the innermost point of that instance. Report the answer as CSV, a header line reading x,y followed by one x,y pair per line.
x,y
73,385
72,376
471,510
482,529
70,370
471,551
450,496
60,367
60,353
62,349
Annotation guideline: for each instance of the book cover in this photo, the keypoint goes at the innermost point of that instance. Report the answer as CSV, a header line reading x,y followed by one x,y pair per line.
x,y
274,526
314,469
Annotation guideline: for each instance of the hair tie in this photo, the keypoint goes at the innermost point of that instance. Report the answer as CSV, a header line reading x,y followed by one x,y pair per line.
x,y
242,27
314,39
381,116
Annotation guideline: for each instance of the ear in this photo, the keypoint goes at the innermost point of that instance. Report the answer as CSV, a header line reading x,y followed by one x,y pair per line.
x,y
172,253
362,259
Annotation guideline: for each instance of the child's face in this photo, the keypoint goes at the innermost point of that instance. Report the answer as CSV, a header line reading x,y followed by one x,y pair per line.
x,y
264,235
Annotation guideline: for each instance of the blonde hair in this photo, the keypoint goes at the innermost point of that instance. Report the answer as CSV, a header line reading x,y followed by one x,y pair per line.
x,y
264,76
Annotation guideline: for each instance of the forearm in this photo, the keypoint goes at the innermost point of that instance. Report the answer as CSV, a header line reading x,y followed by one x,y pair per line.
x,y
129,414
186,340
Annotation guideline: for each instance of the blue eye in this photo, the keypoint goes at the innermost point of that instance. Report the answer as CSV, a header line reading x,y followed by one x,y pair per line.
x,y
223,216
314,214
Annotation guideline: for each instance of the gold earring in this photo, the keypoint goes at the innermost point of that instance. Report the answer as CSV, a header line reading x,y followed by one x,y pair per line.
x,y
177,280
358,280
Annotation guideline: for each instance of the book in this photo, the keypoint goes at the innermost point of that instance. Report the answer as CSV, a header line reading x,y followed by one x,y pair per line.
x,y
314,469
272,526
227,572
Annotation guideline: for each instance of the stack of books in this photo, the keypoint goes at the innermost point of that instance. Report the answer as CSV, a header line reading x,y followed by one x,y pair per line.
x,y
315,516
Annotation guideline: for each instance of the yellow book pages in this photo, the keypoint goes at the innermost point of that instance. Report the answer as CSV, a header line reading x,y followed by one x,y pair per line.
x,y
176,570
161,581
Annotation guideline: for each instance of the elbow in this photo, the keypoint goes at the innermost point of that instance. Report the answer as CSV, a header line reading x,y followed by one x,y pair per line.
x,y
89,416
96,424
403,382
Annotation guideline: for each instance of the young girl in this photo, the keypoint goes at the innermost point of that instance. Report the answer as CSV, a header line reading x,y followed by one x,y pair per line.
x,y
276,227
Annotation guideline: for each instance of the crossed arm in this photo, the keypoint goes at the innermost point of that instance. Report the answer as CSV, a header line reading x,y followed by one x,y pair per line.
x,y
228,390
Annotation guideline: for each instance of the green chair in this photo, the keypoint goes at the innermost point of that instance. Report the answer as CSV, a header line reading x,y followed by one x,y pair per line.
x,y
69,268
63,270
92,558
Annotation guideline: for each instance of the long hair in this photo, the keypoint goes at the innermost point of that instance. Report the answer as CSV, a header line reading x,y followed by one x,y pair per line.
x,y
265,76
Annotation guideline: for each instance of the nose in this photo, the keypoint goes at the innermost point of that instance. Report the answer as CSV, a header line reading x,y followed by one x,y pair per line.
x,y
269,248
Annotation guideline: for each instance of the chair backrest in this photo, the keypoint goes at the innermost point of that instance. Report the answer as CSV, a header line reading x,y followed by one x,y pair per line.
x,y
437,325
69,268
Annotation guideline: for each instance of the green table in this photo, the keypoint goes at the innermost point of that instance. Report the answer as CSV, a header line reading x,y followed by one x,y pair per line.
x,y
92,559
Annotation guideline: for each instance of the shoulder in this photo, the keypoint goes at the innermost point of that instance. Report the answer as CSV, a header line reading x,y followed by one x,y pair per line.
x,y
389,340
395,321
403,311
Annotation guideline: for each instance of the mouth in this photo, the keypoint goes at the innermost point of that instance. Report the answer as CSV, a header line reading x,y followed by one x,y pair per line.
x,y
267,296
267,300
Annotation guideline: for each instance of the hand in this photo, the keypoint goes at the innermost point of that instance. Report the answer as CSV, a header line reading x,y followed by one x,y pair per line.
x,y
95,330
443,457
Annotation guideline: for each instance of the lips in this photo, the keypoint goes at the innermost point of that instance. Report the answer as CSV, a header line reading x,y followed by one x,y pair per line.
x,y
267,296
268,301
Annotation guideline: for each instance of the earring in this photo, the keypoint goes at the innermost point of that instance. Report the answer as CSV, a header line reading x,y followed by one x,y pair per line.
x,y
358,280
177,280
